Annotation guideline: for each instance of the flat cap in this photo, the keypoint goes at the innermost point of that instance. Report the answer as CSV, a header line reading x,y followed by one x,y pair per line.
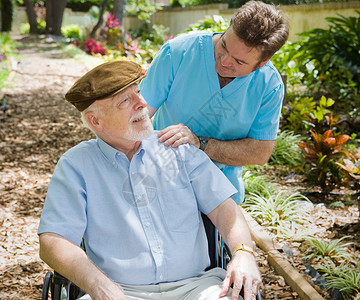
x,y
104,81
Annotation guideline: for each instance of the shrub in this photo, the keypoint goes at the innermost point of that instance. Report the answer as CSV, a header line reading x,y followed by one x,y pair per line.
x,y
343,277
335,250
277,209
321,155
25,27
93,47
256,184
330,60
211,24
73,32
286,149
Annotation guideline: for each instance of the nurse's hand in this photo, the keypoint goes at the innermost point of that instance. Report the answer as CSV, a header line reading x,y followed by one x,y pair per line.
x,y
176,135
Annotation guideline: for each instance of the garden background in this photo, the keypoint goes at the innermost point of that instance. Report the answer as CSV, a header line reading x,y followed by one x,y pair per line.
x,y
306,197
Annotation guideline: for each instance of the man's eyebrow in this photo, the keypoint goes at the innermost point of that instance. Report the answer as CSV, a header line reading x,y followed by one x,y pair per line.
x,y
237,59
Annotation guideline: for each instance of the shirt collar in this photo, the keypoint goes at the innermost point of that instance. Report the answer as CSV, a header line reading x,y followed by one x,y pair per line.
x,y
113,155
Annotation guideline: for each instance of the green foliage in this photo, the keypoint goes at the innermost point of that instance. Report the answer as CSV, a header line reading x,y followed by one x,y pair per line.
x,y
286,151
277,209
335,250
256,184
73,32
143,9
321,155
343,277
7,45
284,62
186,3
25,27
298,115
7,49
210,24
330,62
304,114
82,5
4,74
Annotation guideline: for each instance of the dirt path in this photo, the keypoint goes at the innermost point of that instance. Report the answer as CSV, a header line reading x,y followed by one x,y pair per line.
x,y
36,129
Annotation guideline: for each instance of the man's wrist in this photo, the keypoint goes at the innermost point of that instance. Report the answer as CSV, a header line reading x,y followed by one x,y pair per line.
x,y
243,247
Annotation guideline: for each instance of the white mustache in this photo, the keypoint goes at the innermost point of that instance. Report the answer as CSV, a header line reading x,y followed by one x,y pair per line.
x,y
139,115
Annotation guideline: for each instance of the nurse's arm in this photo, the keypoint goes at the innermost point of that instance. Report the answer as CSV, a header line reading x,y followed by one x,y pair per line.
x,y
72,262
240,152
152,110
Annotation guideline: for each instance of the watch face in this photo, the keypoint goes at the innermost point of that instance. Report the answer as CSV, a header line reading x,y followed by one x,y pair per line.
x,y
203,142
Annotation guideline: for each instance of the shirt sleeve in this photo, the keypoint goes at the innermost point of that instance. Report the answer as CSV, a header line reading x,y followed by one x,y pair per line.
x,y
160,75
210,185
266,123
64,211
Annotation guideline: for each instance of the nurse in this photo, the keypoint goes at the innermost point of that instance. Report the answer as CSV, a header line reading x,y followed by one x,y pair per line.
x,y
220,92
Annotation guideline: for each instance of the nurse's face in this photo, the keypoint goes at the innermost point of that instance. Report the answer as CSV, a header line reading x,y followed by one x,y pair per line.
x,y
233,58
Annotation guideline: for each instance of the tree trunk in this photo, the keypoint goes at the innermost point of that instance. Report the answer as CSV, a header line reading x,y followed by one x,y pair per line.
x,y
6,15
101,19
31,15
118,10
54,15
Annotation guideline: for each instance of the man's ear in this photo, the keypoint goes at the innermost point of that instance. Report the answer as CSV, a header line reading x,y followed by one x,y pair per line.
x,y
93,121
262,63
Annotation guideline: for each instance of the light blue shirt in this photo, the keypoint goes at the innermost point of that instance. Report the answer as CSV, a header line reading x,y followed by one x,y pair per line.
x,y
183,84
140,218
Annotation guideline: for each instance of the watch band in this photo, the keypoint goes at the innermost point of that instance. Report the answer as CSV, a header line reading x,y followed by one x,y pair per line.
x,y
203,142
242,247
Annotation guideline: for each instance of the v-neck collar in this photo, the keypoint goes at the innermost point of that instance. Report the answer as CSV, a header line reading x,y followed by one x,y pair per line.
x,y
214,84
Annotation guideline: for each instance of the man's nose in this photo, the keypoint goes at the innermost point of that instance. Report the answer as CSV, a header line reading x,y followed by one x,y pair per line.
x,y
140,101
226,60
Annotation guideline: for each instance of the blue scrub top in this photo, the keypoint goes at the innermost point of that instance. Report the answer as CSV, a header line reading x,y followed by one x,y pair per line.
x,y
183,85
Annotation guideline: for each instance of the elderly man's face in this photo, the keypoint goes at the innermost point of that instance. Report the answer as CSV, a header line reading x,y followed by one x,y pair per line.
x,y
124,116
233,58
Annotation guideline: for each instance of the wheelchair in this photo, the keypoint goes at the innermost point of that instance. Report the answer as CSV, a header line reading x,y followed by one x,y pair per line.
x,y
61,288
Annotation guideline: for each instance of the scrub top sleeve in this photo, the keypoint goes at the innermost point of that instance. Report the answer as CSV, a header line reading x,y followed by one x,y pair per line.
x,y
160,75
266,123
64,211
210,185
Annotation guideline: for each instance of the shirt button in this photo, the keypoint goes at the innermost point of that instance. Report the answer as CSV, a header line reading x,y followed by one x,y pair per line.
x,y
161,277
139,197
147,224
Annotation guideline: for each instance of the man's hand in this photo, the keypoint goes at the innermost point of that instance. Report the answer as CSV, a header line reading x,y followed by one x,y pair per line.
x,y
242,272
175,135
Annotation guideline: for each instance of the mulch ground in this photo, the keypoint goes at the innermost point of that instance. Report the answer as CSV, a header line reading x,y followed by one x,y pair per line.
x,y
37,127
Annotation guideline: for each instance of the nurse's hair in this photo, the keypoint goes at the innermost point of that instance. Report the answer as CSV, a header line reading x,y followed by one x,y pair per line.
x,y
262,26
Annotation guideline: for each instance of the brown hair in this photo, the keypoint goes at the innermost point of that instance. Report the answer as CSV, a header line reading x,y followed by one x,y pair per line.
x,y
262,26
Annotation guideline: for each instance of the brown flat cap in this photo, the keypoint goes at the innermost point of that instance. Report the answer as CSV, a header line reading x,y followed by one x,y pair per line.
x,y
104,81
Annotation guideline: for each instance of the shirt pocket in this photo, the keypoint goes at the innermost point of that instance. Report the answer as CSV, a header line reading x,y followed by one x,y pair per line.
x,y
180,209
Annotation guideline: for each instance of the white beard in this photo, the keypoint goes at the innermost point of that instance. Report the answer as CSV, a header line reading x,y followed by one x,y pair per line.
x,y
147,128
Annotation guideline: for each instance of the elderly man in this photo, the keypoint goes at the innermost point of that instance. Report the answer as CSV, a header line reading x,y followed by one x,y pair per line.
x,y
136,204
220,92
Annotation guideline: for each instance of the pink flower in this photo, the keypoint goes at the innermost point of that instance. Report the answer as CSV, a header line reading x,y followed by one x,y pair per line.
x,y
92,46
168,37
136,49
111,22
